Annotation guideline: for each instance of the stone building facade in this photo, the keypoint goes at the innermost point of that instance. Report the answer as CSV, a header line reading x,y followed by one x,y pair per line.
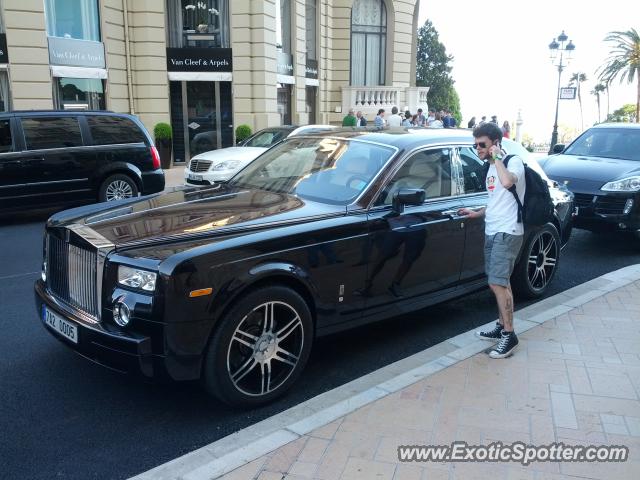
x,y
208,66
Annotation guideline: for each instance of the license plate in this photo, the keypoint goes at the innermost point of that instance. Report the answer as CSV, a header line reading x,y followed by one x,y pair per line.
x,y
60,325
193,176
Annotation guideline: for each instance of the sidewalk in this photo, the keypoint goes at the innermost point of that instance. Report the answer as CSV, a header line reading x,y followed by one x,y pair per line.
x,y
575,378
174,176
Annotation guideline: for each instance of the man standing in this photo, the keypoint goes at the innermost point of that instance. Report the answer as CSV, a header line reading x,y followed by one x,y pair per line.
x,y
379,120
349,120
394,120
421,120
431,117
360,120
503,233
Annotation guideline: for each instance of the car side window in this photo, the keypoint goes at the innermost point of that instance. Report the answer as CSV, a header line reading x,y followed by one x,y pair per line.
x,y
107,130
472,170
6,142
51,132
429,170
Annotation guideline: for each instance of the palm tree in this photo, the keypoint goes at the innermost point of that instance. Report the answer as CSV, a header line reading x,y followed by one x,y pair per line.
x,y
578,78
624,60
597,90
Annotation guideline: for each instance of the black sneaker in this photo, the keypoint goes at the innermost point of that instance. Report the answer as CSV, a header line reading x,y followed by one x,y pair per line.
x,y
495,334
506,346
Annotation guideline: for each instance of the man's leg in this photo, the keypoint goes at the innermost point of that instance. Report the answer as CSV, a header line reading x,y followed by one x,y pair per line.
x,y
504,298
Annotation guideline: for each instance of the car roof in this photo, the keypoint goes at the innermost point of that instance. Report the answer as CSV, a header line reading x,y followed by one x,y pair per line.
x,y
401,137
618,125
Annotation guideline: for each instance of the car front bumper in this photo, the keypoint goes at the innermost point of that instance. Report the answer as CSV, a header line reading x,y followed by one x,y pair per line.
x,y
208,177
114,349
608,211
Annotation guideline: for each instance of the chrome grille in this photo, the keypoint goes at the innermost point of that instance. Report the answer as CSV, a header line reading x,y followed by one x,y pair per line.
x,y
199,166
71,275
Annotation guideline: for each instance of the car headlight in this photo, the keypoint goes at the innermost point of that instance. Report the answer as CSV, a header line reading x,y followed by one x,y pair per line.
x,y
136,278
630,184
226,165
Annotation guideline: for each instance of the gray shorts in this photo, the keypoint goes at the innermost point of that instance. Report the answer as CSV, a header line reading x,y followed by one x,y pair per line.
x,y
500,253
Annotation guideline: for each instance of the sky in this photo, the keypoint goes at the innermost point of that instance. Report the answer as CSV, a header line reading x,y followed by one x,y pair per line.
x,y
501,57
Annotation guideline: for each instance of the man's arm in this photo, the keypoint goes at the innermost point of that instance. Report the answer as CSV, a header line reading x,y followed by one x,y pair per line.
x,y
467,212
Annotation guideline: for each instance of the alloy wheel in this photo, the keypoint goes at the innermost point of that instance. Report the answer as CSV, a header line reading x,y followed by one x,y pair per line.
x,y
543,257
118,189
265,348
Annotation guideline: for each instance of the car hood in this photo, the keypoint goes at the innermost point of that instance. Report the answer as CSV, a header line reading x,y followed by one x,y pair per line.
x,y
231,153
197,212
590,173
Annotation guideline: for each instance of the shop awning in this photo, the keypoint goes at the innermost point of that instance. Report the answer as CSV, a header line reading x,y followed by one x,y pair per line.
x,y
201,76
62,71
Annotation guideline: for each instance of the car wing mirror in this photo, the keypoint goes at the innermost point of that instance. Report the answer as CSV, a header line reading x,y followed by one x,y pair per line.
x,y
407,196
558,148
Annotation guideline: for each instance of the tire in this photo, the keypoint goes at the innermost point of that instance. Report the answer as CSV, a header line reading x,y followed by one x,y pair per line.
x,y
244,364
538,262
117,187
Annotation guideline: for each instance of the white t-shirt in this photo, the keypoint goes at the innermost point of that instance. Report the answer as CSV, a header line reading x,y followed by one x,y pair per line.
x,y
394,120
501,215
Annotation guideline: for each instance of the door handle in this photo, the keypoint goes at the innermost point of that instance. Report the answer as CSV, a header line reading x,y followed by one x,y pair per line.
x,y
452,214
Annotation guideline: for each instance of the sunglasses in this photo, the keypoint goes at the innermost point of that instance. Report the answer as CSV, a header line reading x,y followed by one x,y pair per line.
x,y
480,145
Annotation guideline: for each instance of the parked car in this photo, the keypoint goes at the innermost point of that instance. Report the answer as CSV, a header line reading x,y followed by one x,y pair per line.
x,y
51,158
230,284
602,168
220,165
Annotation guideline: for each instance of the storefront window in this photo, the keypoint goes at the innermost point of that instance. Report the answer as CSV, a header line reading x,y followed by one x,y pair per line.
x,y
368,42
78,19
283,25
79,94
203,23
4,91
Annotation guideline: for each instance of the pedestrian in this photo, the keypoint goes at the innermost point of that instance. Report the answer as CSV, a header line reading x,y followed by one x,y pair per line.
x,y
350,119
361,120
494,119
421,120
379,121
506,130
407,119
472,123
394,120
451,120
431,117
414,120
483,120
503,233
437,122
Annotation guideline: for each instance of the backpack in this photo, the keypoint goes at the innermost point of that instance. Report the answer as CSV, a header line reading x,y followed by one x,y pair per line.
x,y
537,208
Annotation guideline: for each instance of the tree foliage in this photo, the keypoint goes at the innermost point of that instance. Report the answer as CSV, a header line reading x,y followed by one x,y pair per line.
x,y
623,61
434,71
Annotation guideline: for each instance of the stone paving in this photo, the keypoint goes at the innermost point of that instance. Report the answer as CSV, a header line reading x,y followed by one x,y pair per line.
x,y
573,379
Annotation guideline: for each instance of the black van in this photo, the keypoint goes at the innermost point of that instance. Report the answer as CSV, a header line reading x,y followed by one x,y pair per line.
x,y
51,158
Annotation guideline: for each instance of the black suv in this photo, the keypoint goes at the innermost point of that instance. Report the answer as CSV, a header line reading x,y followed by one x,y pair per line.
x,y
51,158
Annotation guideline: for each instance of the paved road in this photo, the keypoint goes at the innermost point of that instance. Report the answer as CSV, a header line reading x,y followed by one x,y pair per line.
x,y
63,417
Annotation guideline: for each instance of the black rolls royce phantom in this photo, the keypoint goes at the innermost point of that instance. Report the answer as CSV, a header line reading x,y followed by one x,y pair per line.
x,y
231,283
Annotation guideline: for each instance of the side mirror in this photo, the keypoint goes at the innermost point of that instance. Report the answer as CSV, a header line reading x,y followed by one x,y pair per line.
x,y
407,196
558,148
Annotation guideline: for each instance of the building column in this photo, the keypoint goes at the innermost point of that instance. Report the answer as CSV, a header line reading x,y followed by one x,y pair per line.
x,y
253,40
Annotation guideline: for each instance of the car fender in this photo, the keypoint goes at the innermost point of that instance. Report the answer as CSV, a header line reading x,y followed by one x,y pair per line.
x,y
118,167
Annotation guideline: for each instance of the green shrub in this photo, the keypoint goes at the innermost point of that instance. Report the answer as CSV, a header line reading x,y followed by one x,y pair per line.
x,y
242,132
162,132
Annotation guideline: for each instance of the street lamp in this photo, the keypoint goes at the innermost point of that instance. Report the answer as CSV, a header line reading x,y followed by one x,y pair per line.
x,y
559,45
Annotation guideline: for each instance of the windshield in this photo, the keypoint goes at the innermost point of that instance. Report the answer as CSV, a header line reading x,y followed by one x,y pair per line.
x,y
266,138
623,143
325,170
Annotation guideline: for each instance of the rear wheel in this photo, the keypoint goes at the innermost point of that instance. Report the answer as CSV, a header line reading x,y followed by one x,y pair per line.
x,y
117,187
260,348
538,263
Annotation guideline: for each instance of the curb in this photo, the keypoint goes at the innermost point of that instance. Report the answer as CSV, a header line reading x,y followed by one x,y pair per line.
x,y
248,444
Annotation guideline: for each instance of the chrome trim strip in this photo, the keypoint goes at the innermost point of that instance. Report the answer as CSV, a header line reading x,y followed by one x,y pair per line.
x,y
43,183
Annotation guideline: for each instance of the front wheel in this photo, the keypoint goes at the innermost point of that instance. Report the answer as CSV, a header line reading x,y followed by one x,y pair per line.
x,y
538,262
260,348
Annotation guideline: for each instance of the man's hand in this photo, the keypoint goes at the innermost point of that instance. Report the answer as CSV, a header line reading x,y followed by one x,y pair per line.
x,y
467,212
